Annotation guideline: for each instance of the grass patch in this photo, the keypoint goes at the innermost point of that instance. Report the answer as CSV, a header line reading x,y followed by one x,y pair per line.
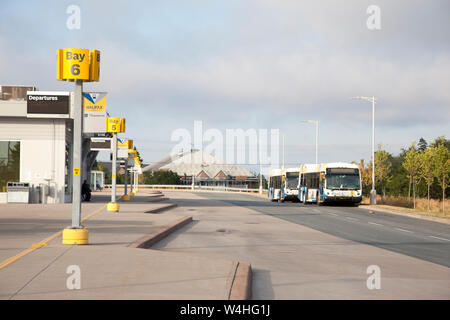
x,y
403,204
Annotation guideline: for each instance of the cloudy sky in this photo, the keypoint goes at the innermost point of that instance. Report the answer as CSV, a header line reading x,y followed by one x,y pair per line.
x,y
249,64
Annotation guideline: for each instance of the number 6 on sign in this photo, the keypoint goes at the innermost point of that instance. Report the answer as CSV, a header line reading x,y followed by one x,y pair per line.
x,y
73,64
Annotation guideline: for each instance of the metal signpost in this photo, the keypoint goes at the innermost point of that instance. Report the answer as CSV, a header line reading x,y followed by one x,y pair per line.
x,y
123,149
114,125
132,156
373,192
77,65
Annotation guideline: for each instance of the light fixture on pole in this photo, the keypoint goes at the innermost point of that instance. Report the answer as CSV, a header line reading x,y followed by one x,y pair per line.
x,y
373,192
316,122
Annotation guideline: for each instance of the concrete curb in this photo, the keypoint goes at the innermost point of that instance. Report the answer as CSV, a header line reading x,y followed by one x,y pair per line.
x,y
241,288
149,240
156,195
158,199
407,214
163,208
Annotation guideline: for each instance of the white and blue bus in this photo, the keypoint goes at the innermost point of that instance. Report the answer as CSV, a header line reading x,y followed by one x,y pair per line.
x,y
341,182
330,182
308,183
274,185
289,185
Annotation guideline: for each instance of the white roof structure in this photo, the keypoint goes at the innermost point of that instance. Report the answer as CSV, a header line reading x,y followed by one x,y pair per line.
x,y
194,163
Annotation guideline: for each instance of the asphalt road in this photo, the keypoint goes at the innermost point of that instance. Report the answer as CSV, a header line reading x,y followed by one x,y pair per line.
x,y
426,240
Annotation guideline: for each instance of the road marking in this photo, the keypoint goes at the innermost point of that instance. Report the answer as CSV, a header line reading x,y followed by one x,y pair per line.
x,y
333,214
376,224
439,238
42,243
352,219
404,230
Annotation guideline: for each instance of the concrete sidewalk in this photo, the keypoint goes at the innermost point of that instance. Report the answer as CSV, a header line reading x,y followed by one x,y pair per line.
x,y
109,268
291,261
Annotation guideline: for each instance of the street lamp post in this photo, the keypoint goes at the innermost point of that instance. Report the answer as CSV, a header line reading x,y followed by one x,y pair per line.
x,y
284,148
373,192
316,122
260,168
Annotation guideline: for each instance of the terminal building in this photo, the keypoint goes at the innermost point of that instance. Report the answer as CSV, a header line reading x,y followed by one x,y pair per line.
x,y
207,170
36,144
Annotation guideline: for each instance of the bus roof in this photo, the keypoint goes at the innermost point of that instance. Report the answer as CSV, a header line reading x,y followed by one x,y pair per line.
x,y
325,166
276,172
291,170
310,167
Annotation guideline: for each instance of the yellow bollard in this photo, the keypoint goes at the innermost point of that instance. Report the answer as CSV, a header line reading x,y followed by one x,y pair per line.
x,y
112,206
75,236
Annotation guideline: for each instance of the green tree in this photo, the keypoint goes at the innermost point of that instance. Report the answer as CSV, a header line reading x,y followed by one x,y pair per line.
x,y
441,140
442,169
422,145
399,182
411,163
382,168
366,175
161,177
426,169
101,167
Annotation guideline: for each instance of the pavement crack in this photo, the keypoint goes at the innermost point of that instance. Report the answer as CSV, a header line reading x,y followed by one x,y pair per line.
x,y
399,229
443,239
39,273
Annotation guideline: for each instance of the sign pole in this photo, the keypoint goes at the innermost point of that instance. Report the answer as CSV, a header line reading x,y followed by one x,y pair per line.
x,y
114,167
126,180
76,154
131,182
137,181
77,65
113,205
114,125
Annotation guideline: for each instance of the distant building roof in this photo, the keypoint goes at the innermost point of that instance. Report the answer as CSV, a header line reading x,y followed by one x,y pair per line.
x,y
204,165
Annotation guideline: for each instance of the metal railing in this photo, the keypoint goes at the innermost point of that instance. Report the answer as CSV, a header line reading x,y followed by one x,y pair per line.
x,y
189,187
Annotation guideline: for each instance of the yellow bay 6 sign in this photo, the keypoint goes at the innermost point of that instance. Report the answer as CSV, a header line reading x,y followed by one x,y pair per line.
x,y
78,64
115,125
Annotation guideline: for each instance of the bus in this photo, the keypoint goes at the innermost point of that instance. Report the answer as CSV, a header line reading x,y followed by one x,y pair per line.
x,y
289,184
341,182
274,185
308,183
330,182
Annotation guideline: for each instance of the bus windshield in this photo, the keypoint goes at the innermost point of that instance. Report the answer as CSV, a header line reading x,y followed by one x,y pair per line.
x,y
292,180
343,179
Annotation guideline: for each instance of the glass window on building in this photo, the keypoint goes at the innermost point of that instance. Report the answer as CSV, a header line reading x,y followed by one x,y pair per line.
x,y
9,163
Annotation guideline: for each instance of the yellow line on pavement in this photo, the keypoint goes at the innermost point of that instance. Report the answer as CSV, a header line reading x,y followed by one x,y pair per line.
x,y
43,242
93,213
